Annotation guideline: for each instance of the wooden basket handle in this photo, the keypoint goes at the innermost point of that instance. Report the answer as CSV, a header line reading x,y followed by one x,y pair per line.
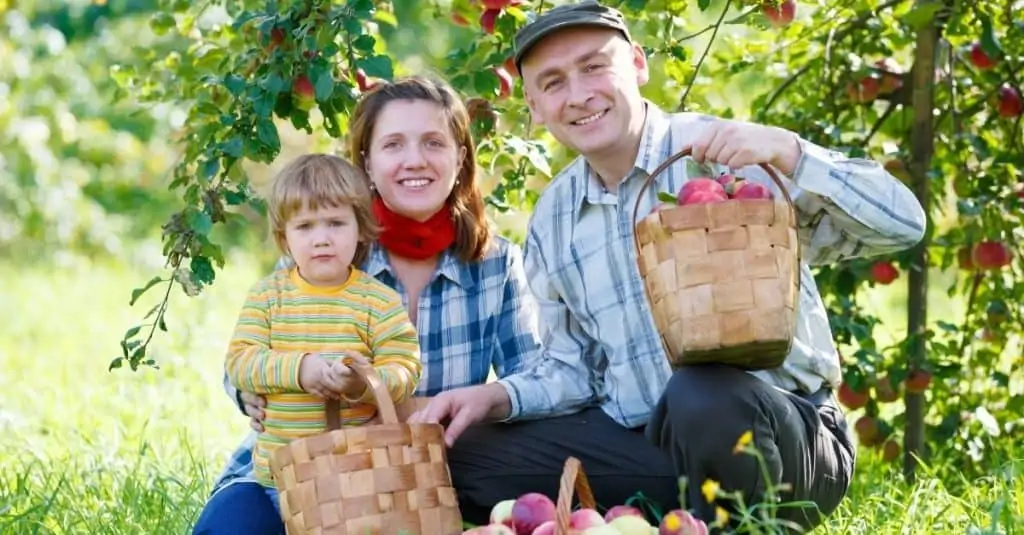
x,y
683,154
573,478
385,405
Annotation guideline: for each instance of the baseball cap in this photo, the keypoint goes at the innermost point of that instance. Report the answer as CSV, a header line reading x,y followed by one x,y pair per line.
x,y
586,13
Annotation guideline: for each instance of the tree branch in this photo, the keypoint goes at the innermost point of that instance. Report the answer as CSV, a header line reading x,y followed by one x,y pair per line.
x,y
700,62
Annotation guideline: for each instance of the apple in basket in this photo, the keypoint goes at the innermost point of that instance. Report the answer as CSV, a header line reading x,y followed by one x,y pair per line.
x,y
701,190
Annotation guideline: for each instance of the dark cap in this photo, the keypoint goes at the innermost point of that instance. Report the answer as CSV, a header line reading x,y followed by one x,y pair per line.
x,y
586,13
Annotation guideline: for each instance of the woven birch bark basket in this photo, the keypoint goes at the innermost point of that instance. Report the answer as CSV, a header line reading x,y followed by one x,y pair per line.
x,y
573,482
388,478
721,279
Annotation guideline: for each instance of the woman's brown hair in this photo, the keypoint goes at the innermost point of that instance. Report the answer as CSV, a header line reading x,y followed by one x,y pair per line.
x,y
321,180
473,234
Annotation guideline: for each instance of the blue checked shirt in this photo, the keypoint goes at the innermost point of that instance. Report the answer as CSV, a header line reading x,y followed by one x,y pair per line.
x,y
600,344
472,319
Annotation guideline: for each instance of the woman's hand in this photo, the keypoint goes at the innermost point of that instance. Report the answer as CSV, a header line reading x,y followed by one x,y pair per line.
x,y
254,404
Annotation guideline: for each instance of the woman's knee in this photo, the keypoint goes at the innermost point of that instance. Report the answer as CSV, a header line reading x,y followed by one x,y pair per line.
x,y
240,508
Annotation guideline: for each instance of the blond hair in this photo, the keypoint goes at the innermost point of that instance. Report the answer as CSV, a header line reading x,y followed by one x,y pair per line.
x,y
322,180
473,234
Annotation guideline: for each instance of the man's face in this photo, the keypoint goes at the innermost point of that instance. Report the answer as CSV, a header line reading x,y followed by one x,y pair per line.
x,y
583,84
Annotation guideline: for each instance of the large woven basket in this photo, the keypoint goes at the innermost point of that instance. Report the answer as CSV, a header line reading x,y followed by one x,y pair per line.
x,y
387,478
722,279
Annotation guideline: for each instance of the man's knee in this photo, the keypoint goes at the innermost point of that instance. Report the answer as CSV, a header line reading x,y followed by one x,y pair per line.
x,y
697,395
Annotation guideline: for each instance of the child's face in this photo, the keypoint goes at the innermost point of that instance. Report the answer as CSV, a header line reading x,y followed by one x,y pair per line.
x,y
323,243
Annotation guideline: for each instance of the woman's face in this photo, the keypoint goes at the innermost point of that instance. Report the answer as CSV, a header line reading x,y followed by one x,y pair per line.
x,y
413,157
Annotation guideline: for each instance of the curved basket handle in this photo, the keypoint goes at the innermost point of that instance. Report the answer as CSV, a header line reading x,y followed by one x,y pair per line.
x,y
385,405
573,478
683,154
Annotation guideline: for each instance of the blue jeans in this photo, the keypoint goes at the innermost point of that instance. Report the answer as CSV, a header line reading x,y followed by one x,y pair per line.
x,y
242,507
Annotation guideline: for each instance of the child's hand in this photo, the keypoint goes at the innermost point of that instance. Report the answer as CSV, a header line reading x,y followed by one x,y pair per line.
x,y
315,376
341,378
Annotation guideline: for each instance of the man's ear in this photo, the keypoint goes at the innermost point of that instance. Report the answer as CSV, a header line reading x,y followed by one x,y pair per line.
x,y
643,73
531,104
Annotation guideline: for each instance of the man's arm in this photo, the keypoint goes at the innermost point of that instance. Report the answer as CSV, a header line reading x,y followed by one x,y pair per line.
x,y
518,341
562,379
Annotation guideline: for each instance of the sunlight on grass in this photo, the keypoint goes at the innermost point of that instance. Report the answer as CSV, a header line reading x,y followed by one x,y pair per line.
x,y
122,452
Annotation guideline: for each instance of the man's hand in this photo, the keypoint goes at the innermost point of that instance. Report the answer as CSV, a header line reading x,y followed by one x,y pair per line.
x,y
738,144
254,404
463,407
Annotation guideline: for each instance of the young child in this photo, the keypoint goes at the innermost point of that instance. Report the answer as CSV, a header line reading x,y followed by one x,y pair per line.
x,y
299,323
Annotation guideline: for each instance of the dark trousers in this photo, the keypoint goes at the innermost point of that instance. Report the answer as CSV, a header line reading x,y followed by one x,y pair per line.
x,y
704,410
239,509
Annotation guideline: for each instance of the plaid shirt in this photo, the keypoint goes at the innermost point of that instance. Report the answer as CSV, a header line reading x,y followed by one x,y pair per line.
x,y
600,344
471,319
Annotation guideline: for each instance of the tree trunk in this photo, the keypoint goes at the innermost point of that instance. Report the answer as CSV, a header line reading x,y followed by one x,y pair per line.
x,y
922,141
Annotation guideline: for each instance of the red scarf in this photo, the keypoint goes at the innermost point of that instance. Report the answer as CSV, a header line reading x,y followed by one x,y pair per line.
x,y
414,239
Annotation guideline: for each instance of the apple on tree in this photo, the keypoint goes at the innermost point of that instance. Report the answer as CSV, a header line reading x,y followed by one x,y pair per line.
x,y
779,12
1010,103
883,272
980,59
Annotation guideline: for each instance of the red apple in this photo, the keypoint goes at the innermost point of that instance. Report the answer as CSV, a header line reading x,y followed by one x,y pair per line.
x,y
504,82
582,519
490,529
852,398
752,190
547,528
679,522
729,183
620,510
890,450
364,83
980,59
867,429
705,197
779,12
891,74
510,66
501,513
488,18
885,391
699,184
918,381
864,91
884,272
303,92
530,511
1010,103
964,260
990,255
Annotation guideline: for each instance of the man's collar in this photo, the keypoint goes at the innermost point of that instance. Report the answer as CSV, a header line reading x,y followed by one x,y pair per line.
x,y
648,156
448,267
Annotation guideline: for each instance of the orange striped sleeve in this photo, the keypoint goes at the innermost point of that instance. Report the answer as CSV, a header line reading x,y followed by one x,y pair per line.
x,y
251,365
393,343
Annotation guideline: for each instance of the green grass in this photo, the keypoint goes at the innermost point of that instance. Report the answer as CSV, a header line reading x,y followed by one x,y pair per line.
x,y
91,451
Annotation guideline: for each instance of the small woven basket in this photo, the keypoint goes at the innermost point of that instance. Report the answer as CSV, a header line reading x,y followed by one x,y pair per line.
x,y
389,478
722,279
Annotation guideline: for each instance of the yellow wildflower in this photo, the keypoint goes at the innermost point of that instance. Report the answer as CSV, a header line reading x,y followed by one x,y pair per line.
x,y
721,516
710,489
745,439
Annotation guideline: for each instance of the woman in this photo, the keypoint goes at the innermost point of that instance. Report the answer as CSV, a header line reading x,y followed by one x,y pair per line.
x,y
463,285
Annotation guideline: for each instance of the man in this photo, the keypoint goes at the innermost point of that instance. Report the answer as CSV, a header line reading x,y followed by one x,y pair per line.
x,y
602,390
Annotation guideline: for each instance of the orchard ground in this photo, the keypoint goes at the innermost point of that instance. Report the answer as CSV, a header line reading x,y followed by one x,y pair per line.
x,y
92,451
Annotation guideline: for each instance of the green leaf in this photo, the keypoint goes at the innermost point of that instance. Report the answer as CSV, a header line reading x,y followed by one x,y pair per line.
x,y
210,168
234,84
162,22
665,196
324,86
202,269
132,332
234,146
922,15
364,43
703,4
377,66
136,293
989,40
200,222
266,131
115,364
234,198
273,84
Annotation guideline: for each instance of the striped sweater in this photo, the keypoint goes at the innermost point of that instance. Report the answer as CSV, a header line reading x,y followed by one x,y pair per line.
x,y
284,318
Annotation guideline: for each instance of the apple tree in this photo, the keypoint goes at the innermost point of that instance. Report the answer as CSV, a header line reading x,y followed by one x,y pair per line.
x,y
930,88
